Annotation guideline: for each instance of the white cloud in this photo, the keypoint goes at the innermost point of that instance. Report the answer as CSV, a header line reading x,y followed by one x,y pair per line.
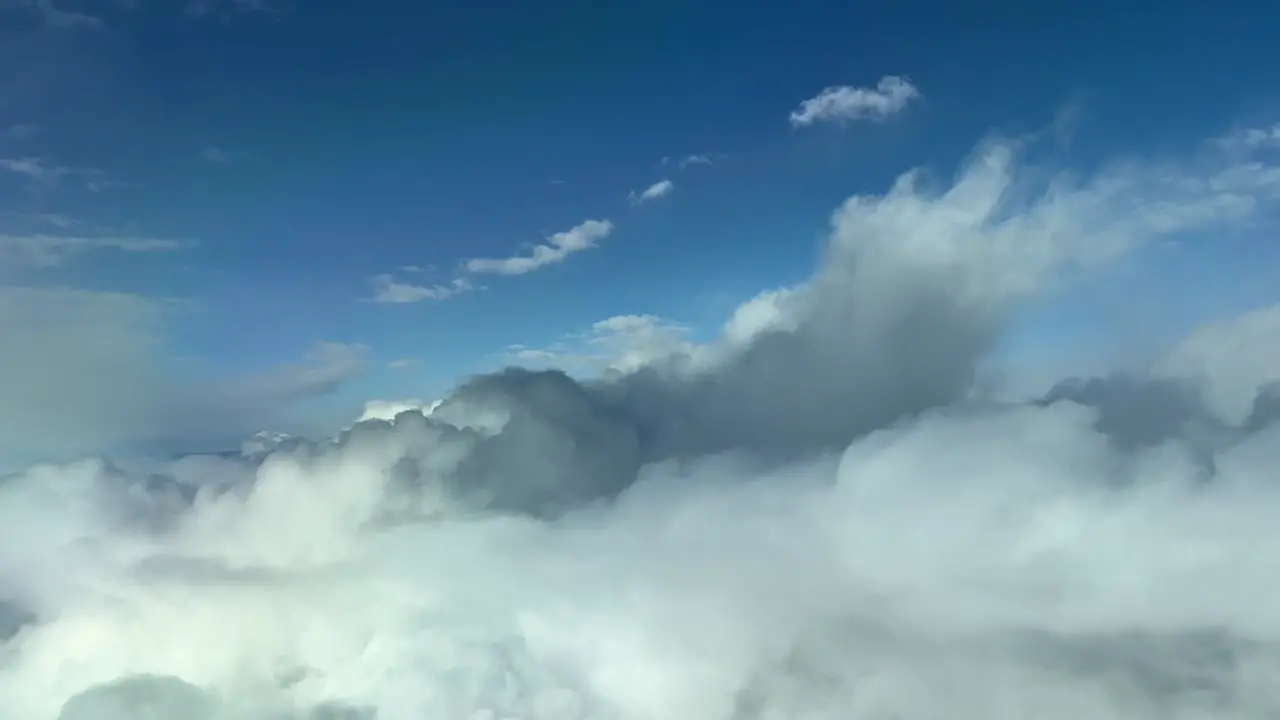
x,y
404,363
54,250
558,247
1229,361
695,159
389,290
844,103
662,188
819,524
389,409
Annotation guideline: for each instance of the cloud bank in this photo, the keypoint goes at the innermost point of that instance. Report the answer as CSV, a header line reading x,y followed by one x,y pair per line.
x,y
810,517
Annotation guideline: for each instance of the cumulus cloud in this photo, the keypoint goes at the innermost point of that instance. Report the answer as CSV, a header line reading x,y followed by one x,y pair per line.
x,y
845,103
815,521
662,188
53,250
558,247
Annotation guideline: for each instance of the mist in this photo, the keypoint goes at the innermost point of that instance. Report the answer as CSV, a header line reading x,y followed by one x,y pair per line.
x,y
815,516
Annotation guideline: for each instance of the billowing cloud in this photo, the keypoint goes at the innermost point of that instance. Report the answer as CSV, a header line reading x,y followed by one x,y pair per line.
x,y
814,520
844,103
558,247
662,188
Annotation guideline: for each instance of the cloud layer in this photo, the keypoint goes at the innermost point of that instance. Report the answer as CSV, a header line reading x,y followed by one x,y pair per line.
x,y
810,517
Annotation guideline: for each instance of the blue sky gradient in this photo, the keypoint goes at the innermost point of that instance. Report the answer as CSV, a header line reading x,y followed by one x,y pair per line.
x,y
297,151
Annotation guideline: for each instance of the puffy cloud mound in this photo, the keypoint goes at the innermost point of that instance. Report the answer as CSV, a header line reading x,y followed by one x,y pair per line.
x,y
809,518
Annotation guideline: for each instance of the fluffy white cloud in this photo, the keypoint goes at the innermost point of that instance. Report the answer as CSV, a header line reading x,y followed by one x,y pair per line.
x,y
814,523
54,250
844,103
389,290
558,247
1230,362
662,188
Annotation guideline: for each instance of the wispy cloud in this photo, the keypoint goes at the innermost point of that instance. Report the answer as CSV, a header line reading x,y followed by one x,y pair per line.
x,y
404,363
621,343
1250,139
391,291
203,8
844,103
45,251
40,171
688,160
695,160
659,189
48,13
216,155
558,247
325,367
25,131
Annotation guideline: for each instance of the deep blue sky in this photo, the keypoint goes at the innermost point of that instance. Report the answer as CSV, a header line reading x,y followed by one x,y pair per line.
x,y
314,145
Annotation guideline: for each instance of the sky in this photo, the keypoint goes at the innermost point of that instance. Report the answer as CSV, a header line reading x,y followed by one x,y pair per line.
x,y
225,216
604,361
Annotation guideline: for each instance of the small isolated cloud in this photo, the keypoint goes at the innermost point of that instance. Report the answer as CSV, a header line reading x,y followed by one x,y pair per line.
x,y
45,251
404,363
389,290
662,188
844,103
216,155
695,159
558,247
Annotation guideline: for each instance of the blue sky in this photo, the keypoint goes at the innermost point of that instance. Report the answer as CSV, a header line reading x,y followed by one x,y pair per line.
x,y
267,162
